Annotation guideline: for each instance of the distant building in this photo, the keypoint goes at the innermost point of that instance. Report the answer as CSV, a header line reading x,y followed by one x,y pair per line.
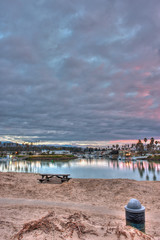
x,y
61,152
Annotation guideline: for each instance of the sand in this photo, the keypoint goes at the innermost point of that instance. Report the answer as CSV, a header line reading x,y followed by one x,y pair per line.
x,y
85,209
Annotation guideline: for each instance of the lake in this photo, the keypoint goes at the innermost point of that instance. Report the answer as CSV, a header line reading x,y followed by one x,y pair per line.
x,y
89,168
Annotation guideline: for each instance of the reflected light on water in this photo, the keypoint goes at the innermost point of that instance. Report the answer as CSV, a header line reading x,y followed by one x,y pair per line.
x,y
88,168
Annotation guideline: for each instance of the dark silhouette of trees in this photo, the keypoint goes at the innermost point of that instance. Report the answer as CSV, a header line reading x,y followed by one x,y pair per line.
x,y
140,147
145,140
152,141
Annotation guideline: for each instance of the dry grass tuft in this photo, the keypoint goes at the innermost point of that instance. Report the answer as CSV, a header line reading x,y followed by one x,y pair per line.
x,y
49,224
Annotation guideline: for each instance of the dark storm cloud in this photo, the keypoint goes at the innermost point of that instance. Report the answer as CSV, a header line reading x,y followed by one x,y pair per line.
x,y
79,70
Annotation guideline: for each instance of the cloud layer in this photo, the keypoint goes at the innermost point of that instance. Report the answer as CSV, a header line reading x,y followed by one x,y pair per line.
x,y
80,70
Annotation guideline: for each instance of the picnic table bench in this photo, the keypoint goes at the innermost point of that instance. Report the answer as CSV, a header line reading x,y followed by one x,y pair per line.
x,y
46,177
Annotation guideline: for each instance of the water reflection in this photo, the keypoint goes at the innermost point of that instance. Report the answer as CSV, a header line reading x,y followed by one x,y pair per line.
x,y
88,168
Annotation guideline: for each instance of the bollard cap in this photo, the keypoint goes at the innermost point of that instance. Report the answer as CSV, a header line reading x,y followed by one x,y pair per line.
x,y
134,206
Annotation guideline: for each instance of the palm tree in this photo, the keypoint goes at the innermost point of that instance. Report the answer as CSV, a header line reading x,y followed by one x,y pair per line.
x,y
156,142
140,146
139,141
152,142
145,140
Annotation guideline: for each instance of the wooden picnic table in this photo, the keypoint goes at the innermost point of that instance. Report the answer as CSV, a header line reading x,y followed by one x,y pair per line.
x,y
47,176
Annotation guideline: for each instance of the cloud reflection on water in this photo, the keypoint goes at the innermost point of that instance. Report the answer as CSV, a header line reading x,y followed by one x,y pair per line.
x,y
89,168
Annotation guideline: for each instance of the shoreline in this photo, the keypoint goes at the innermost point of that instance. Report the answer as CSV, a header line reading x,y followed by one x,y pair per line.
x,y
24,199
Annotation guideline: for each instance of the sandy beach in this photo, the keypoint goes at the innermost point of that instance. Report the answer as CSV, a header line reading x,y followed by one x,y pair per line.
x,y
84,209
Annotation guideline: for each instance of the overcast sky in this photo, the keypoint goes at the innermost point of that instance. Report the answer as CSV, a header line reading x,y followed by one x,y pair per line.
x,y
79,70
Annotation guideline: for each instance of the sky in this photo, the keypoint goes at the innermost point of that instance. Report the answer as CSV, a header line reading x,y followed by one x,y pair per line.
x,y
82,71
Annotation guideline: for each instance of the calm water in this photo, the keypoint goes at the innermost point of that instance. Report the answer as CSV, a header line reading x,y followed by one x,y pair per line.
x,y
88,168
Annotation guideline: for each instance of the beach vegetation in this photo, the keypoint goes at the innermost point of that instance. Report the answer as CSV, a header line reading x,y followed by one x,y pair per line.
x,y
154,158
50,157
